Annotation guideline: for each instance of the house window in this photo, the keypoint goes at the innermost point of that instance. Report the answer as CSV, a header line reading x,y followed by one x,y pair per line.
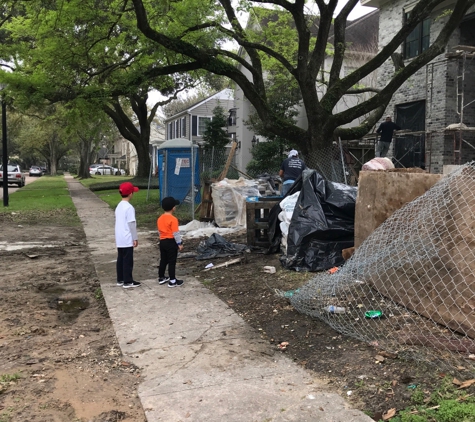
x,y
418,40
183,127
202,124
170,130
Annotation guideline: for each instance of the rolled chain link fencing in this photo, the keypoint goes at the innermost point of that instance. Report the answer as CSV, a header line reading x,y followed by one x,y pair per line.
x,y
410,287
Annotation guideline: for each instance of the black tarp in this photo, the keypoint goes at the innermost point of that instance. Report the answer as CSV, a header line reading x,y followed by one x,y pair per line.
x,y
322,224
216,246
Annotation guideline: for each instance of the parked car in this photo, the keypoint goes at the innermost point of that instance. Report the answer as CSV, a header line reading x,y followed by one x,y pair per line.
x,y
44,169
14,175
35,171
100,169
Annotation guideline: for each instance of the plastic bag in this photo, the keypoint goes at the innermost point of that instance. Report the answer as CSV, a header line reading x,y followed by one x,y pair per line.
x,y
322,224
229,201
216,246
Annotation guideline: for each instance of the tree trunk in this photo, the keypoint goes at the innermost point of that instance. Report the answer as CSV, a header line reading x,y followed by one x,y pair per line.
x,y
143,156
85,157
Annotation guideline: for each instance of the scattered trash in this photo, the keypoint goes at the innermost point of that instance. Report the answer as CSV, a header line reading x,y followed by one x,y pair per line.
x,y
210,265
216,246
269,269
464,384
389,414
349,393
379,358
283,345
288,294
224,264
388,354
333,270
373,314
335,309
412,387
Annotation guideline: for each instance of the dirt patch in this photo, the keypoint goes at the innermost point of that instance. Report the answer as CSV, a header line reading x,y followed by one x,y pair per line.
x,y
59,357
353,368
60,360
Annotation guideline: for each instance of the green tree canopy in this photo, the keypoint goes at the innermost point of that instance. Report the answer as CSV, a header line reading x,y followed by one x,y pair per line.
x,y
77,51
284,37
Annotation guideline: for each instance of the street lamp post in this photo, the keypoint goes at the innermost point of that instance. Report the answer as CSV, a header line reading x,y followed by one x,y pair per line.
x,y
4,151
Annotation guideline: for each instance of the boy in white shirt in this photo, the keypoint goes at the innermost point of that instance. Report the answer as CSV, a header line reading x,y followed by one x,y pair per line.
x,y
126,238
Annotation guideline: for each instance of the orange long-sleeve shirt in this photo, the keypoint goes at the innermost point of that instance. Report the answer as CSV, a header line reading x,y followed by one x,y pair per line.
x,y
167,225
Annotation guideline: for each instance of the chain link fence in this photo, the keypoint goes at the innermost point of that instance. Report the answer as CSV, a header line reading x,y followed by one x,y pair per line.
x,y
330,163
410,287
212,162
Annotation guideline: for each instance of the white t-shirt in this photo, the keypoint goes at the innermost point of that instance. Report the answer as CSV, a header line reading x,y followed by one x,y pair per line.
x,y
124,214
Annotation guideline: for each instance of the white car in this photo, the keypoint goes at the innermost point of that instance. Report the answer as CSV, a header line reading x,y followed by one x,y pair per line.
x,y
99,169
14,175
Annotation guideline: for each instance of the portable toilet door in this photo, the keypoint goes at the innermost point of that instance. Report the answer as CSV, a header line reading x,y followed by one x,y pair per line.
x,y
175,178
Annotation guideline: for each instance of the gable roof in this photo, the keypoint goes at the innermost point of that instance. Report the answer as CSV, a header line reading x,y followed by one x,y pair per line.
x,y
225,94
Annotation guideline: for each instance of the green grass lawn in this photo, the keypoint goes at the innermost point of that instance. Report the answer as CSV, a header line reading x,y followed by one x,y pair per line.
x,y
41,200
147,206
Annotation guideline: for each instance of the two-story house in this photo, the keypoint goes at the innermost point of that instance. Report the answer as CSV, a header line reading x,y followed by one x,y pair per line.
x,y
436,104
191,122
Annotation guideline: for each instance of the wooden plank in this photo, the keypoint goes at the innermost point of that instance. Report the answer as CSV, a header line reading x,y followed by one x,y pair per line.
x,y
228,162
207,209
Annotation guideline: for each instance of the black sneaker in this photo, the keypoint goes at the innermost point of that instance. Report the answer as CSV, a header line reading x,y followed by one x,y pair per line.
x,y
177,283
163,280
131,285
120,283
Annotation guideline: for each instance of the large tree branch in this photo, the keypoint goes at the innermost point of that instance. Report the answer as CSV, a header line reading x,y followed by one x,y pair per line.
x,y
363,90
399,78
122,121
256,69
339,43
363,128
421,11
318,55
254,91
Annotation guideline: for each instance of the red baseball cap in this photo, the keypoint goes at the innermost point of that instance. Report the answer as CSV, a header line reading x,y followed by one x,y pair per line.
x,y
127,188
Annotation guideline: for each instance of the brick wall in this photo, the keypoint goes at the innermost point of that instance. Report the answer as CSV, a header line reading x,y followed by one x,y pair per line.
x,y
435,84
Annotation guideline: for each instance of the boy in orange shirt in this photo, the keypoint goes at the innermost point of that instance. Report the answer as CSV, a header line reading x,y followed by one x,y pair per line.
x,y
170,242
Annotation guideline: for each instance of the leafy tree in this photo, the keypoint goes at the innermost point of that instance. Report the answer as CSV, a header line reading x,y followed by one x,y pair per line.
x,y
90,128
267,157
90,51
214,134
45,133
282,37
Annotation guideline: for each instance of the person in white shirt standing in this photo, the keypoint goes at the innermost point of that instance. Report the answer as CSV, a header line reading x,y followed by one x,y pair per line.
x,y
126,238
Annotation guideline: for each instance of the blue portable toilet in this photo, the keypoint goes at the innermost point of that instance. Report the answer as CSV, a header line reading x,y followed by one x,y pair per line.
x,y
174,158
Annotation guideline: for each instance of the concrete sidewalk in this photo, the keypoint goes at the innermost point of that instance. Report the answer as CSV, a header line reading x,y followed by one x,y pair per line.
x,y
200,361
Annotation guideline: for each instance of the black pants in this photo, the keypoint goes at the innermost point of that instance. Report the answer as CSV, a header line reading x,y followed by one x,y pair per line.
x,y
125,264
168,255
